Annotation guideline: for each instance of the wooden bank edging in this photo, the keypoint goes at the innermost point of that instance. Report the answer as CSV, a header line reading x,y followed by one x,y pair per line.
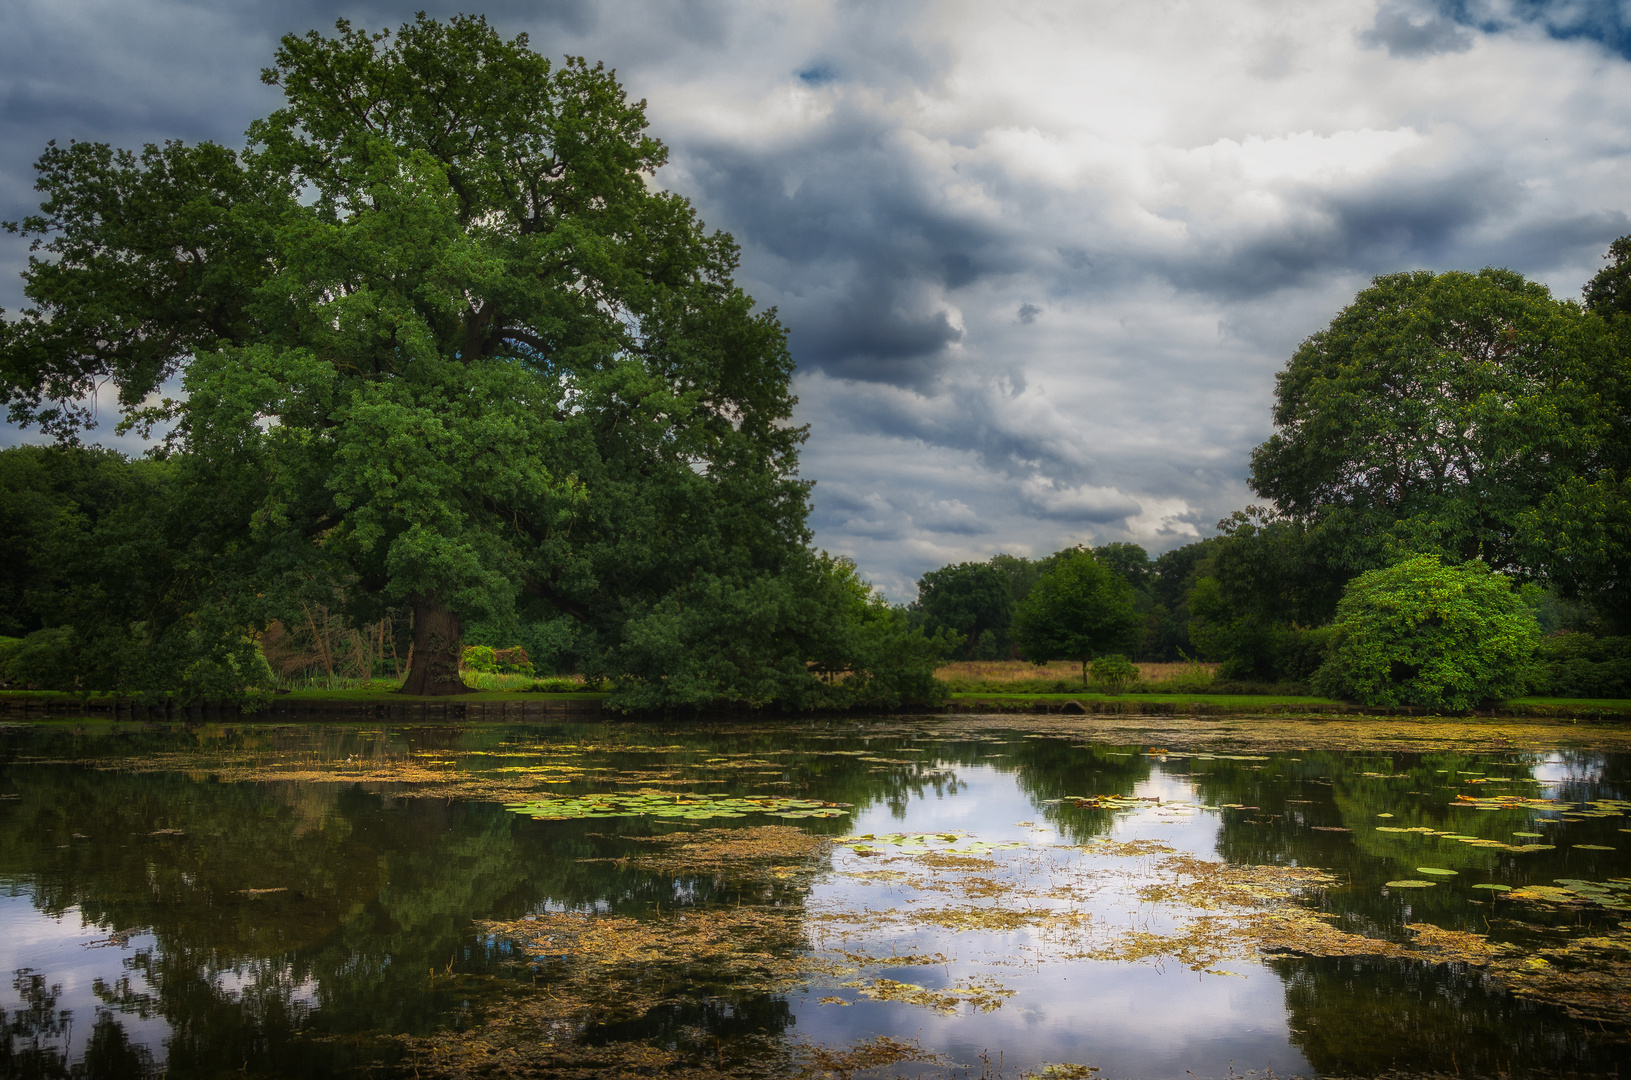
x,y
411,710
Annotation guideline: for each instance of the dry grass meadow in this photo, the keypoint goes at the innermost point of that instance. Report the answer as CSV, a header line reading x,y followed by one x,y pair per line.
x,y
998,671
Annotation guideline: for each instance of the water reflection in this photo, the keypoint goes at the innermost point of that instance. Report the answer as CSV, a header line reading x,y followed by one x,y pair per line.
x,y
305,901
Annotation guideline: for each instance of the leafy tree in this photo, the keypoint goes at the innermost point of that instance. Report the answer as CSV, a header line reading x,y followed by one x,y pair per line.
x,y
442,343
1426,633
1020,572
1131,561
970,599
1267,580
1173,575
1581,534
1432,413
1076,611
125,578
1608,293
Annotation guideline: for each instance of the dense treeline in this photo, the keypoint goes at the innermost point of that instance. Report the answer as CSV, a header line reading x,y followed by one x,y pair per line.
x,y
1451,425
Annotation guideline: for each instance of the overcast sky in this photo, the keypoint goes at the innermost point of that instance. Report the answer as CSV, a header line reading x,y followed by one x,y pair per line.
x,y
1041,261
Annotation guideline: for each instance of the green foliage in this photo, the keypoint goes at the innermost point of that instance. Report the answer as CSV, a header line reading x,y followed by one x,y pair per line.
x,y
1573,665
1608,293
445,346
1077,610
1130,561
488,660
814,636
1020,572
1432,413
136,572
44,660
1428,634
1581,534
970,599
1114,672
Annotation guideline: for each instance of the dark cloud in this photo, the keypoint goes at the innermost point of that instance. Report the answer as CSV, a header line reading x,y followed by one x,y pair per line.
x,y
1406,29
1037,296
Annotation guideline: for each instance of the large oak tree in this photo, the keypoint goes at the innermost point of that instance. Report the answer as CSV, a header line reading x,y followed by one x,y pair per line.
x,y
443,343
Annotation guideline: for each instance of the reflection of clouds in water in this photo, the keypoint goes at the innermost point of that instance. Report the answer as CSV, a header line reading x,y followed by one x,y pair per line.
x,y
1063,1010
255,979
1195,832
68,953
1561,769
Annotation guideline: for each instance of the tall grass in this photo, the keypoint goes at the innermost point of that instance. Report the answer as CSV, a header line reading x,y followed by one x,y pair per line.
x,y
1064,677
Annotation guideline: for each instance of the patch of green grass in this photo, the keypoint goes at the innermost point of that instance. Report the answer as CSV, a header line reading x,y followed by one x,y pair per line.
x,y
383,696
1245,700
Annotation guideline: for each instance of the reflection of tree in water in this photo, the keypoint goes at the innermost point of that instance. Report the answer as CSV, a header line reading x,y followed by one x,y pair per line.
x,y
1367,1016
36,1039
1048,769
283,911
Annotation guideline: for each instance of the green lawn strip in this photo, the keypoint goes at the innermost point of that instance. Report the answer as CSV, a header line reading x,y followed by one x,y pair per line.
x,y
1159,699
385,696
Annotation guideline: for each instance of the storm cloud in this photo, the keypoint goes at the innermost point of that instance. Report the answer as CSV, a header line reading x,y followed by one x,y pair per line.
x,y
1040,262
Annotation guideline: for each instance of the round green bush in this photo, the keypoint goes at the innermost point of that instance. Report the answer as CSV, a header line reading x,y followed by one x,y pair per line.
x,y
1114,672
1428,634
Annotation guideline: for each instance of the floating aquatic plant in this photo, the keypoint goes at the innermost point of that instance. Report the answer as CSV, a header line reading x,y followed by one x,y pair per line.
x,y
686,806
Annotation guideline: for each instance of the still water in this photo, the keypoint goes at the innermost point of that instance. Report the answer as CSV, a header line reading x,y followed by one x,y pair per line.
x,y
1100,897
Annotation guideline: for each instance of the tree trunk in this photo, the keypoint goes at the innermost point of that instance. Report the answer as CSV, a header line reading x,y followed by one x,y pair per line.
x,y
434,659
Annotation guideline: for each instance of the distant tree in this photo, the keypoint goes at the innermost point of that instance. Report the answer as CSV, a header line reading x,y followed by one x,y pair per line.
x,y
1432,413
970,599
1429,634
1608,293
1131,561
1078,610
1020,572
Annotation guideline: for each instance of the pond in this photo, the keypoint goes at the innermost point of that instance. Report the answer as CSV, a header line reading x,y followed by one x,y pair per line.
x,y
970,896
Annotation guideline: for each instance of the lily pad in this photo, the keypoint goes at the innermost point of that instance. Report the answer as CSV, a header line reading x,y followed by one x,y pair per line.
x,y
1494,888
1592,847
1436,871
1409,884
1534,835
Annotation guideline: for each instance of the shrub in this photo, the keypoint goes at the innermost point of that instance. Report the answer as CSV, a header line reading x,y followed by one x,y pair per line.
x,y
1582,665
482,658
1114,672
44,660
8,648
1427,634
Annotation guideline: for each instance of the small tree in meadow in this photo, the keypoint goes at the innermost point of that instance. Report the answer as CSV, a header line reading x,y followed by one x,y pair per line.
x,y
1076,611
1114,672
1425,633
